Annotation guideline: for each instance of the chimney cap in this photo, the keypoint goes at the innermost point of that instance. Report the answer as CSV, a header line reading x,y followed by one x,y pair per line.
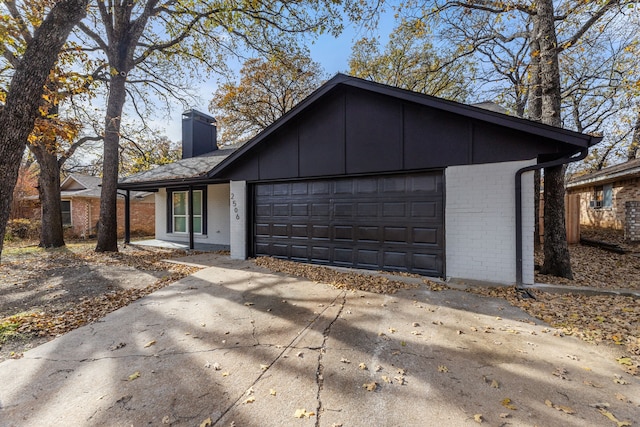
x,y
198,114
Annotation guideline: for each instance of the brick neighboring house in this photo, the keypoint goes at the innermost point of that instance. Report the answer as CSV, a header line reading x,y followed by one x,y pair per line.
x,y
604,194
80,196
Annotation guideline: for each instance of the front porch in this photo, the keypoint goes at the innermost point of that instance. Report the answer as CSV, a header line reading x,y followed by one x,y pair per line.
x,y
166,244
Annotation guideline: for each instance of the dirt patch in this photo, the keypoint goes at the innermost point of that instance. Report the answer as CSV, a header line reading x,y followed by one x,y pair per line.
x,y
598,268
45,293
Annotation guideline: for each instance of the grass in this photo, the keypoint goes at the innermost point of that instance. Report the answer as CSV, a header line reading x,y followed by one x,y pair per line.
x,y
8,330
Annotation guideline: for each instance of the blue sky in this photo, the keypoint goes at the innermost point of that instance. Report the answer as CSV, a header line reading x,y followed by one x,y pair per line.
x,y
332,53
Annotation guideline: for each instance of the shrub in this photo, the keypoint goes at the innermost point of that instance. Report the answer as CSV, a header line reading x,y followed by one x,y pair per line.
x,y
22,229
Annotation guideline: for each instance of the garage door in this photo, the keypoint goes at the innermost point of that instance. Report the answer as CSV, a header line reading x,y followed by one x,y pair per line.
x,y
382,222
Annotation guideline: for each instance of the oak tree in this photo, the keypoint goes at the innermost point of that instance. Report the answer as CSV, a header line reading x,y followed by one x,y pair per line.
x,y
27,82
267,89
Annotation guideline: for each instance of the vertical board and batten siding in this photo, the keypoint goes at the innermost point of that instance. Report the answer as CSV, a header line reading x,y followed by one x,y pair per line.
x,y
384,222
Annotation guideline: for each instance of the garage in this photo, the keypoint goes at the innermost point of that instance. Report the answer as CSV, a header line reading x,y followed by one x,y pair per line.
x,y
385,222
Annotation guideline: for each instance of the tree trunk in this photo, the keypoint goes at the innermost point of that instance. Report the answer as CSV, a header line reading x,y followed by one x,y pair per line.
x,y
556,252
535,114
51,233
25,92
632,152
108,224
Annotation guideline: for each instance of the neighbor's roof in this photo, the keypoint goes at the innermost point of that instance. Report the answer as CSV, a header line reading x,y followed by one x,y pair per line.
x,y
180,170
626,170
80,185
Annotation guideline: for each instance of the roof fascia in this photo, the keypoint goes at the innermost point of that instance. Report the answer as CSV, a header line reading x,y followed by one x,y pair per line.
x,y
603,179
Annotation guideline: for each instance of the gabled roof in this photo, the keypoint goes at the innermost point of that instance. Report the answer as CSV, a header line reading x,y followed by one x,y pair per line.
x,y
193,170
576,139
626,170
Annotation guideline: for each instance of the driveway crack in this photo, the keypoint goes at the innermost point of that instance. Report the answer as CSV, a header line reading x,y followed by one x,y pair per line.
x,y
323,349
341,295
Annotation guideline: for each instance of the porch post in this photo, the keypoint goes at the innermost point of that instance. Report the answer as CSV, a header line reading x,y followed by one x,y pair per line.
x,y
127,221
190,201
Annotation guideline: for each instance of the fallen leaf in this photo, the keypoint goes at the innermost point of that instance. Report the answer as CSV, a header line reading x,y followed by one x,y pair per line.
x,y
225,374
264,367
625,361
248,304
506,402
378,368
272,392
443,368
392,330
150,343
622,397
250,399
206,423
400,379
372,386
478,418
343,360
619,380
504,415
565,409
362,366
495,384
135,375
386,379
614,419
561,373
301,413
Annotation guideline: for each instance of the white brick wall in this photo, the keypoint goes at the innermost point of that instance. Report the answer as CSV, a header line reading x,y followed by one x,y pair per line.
x,y
238,216
480,222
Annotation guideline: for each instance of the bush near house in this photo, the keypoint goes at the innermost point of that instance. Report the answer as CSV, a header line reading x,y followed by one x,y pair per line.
x,y
22,229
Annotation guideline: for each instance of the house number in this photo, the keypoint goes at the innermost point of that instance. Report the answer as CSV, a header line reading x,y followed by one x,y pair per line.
x,y
235,206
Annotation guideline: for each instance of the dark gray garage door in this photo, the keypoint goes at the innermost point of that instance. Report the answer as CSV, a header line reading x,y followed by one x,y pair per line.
x,y
381,222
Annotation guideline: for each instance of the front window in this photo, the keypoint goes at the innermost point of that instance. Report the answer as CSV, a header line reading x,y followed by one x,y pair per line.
x,y
66,212
180,211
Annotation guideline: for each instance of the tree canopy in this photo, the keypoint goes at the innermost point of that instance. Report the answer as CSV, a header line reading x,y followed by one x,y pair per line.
x,y
410,61
267,89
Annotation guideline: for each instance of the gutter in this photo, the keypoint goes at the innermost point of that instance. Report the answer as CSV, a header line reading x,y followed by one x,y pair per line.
x,y
561,161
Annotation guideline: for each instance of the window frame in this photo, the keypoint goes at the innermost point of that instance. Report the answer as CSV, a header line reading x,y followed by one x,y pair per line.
x,y
62,212
202,215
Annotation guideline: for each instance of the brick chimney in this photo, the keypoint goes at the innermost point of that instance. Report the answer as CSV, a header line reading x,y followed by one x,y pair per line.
x,y
198,134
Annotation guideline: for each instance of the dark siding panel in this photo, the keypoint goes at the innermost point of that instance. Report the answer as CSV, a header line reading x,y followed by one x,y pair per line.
x,y
244,170
279,158
374,133
393,222
434,138
321,136
497,144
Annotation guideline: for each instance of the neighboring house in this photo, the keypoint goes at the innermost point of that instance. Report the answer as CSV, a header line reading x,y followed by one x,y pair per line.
x,y
365,175
80,196
604,194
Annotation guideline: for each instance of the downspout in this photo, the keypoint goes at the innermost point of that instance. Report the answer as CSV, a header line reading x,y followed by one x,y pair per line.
x,y
561,161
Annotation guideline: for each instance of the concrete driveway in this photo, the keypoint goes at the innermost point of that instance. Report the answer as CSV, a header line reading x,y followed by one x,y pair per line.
x,y
237,345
